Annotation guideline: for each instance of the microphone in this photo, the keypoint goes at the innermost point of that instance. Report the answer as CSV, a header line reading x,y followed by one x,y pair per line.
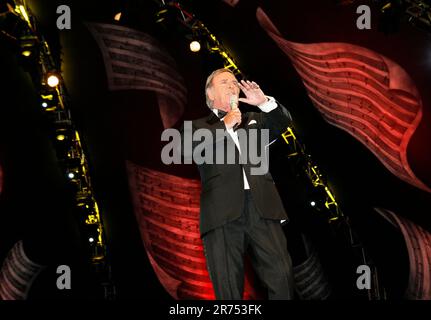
x,y
234,105
233,102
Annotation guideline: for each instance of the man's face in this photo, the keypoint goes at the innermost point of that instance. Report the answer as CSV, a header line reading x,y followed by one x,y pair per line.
x,y
224,85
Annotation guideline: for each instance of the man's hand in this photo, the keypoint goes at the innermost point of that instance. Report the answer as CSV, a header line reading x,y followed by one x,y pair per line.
x,y
232,118
253,94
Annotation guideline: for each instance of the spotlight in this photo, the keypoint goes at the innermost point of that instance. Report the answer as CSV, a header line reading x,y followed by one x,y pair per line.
x,y
71,175
28,46
21,9
53,80
117,17
62,134
386,7
161,15
167,17
48,100
92,233
195,46
316,197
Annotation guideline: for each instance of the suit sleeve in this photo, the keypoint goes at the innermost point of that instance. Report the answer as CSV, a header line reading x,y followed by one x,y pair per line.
x,y
276,121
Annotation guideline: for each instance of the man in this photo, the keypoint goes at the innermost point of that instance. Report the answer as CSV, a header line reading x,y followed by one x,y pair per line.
x,y
241,211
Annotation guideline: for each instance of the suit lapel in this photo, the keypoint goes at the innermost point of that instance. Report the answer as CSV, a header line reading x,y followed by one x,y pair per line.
x,y
245,118
212,118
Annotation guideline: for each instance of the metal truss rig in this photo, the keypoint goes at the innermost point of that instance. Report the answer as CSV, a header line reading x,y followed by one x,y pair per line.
x,y
19,27
199,29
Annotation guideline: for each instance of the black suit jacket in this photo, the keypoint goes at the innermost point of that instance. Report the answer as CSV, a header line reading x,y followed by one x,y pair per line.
x,y
222,195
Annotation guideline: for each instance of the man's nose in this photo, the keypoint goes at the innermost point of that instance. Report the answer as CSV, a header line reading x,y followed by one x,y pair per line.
x,y
233,85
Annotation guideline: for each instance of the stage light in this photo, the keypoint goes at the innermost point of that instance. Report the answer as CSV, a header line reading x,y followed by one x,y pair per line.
x,y
53,81
71,175
93,232
91,219
195,46
21,9
160,16
48,96
117,17
316,197
62,133
386,6
29,46
48,99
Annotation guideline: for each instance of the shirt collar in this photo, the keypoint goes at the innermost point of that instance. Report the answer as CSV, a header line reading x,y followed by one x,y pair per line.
x,y
216,113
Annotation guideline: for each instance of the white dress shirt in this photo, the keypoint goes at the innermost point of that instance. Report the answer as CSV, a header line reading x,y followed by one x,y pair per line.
x,y
267,106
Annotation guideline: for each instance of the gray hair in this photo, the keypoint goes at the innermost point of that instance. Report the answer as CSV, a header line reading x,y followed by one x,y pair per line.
x,y
209,83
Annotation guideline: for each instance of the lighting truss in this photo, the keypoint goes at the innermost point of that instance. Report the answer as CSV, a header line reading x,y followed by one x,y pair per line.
x,y
66,139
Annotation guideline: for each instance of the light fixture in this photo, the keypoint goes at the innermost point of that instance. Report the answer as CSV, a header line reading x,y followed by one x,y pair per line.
x,y
117,17
71,175
21,9
386,6
160,16
92,233
48,99
316,197
195,46
28,45
53,80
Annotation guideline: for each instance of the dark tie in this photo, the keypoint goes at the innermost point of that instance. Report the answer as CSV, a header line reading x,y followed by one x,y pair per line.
x,y
221,113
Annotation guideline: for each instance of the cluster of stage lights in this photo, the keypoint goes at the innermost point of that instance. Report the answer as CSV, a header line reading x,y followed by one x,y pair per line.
x,y
19,27
320,195
199,35
76,172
